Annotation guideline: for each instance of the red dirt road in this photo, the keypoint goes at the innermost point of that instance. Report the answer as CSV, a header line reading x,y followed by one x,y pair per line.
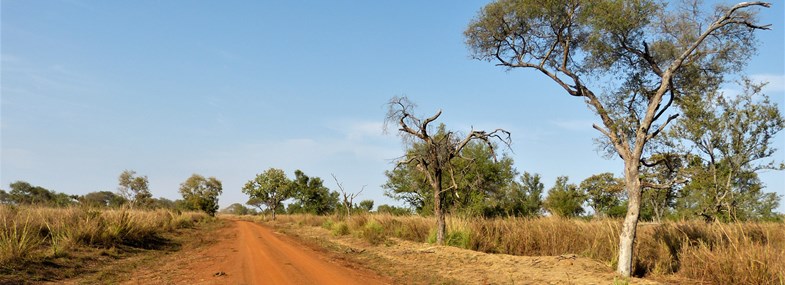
x,y
249,253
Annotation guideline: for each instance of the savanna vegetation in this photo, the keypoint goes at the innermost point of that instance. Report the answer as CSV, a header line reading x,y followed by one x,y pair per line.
x,y
683,252
654,75
46,235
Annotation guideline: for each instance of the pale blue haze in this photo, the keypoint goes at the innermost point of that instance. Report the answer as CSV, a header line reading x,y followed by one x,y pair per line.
x,y
231,88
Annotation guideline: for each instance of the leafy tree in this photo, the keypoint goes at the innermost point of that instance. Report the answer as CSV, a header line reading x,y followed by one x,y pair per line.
x,y
135,189
200,193
5,198
630,61
522,199
481,180
269,188
163,203
531,195
102,199
564,199
662,184
366,205
393,210
438,152
604,193
730,139
311,196
237,209
24,193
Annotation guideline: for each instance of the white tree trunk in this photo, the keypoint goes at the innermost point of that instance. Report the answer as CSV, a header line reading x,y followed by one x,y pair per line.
x,y
629,227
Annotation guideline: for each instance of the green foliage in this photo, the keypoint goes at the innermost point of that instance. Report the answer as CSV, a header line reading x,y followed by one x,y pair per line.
x,y
269,188
238,209
311,196
200,193
340,229
727,140
23,193
480,177
102,199
604,193
373,233
135,189
393,210
365,205
565,200
522,199
456,238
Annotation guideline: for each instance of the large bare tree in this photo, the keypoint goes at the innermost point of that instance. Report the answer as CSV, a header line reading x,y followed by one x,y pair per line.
x,y
630,61
437,157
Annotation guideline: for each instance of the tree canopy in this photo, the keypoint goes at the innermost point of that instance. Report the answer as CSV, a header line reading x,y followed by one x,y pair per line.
x,y
200,193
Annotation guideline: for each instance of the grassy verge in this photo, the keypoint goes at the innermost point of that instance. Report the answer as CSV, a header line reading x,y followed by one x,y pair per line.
x,y
50,244
740,253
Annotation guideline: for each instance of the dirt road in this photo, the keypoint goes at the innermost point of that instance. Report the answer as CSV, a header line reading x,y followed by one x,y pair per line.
x,y
249,253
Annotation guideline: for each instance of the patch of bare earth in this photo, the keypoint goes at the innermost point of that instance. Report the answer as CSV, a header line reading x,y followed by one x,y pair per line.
x,y
249,253
419,263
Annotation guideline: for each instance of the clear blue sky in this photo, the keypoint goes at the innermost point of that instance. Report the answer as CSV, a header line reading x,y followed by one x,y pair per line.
x,y
229,89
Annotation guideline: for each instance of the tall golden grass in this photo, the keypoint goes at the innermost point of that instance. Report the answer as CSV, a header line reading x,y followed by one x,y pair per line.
x,y
737,253
30,232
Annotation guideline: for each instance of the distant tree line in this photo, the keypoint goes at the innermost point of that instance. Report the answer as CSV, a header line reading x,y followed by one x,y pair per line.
x,y
199,194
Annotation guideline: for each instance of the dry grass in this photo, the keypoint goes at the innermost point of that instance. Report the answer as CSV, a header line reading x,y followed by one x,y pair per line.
x,y
35,233
742,253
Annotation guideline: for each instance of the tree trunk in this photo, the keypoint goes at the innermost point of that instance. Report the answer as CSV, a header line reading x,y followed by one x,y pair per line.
x,y
437,209
273,208
627,236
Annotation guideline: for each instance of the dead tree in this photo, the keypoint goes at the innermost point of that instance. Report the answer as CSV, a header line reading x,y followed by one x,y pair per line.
x,y
439,152
348,198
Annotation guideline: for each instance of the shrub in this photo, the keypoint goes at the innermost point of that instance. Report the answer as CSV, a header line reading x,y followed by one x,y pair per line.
x,y
373,233
340,229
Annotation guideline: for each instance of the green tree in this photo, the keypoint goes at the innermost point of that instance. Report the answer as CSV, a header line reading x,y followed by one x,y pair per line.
x,y
438,152
366,205
311,196
730,139
200,193
630,61
522,199
269,188
393,210
135,189
237,209
565,199
662,183
481,179
604,194
102,199
24,193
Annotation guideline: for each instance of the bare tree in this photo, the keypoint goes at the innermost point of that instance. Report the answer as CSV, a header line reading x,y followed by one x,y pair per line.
x,y
644,56
439,152
348,198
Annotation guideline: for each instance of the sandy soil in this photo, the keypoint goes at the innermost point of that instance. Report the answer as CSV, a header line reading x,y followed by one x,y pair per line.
x,y
249,253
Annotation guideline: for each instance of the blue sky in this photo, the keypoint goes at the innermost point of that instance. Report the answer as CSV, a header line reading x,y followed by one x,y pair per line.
x,y
229,89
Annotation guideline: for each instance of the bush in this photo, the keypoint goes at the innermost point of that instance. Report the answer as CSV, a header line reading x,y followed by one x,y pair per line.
x,y
456,238
373,233
340,229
